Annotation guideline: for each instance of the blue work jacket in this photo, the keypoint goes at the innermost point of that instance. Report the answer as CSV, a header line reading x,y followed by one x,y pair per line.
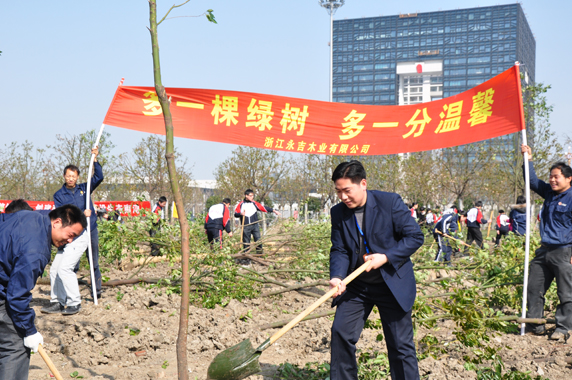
x,y
65,196
518,221
556,215
447,224
388,228
25,250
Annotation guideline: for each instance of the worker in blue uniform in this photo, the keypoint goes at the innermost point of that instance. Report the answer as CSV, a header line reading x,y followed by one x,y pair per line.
x,y
447,225
25,250
73,193
376,226
553,259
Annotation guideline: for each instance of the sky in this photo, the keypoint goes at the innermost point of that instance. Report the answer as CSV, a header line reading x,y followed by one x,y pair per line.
x,y
62,60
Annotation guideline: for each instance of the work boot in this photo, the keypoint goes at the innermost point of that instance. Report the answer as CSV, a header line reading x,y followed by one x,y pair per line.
x,y
54,308
535,329
559,335
71,310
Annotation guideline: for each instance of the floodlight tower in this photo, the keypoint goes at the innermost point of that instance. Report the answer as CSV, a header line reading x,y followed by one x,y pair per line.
x,y
331,6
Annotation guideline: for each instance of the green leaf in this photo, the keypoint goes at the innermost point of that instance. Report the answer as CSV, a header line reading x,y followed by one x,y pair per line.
x,y
134,331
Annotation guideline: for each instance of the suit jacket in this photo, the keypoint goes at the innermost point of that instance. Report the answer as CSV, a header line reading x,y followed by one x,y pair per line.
x,y
389,229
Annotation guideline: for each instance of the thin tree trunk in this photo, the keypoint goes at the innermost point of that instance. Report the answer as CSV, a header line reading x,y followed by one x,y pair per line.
x,y
182,365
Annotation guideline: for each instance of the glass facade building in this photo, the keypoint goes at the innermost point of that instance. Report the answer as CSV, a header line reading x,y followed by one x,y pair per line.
x,y
419,57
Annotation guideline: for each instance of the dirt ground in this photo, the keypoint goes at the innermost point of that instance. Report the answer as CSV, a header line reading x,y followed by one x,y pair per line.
x,y
99,342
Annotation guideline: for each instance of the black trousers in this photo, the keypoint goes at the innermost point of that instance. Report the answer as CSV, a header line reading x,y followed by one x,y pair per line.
x,y
551,264
215,236
474,234
14,356
503,231
353,308
254,231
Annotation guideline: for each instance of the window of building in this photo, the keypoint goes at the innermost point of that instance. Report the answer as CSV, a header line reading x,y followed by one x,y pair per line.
x,y
482,59
479,70
455,83
363,67
343,99
474,82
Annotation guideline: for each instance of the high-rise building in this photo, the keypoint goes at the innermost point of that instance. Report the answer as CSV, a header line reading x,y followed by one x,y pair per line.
x,y
420,57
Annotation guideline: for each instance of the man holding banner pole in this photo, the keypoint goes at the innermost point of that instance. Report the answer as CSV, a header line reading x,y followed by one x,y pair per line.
x,y
65,290
554,256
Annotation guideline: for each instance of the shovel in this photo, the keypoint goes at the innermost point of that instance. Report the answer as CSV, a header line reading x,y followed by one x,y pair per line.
x,y
241,361
49,362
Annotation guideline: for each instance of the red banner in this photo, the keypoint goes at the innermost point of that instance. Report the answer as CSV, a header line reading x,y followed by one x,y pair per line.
x,y
126,208
307,126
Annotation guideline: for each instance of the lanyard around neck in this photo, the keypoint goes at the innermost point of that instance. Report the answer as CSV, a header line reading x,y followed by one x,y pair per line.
x,y
362,235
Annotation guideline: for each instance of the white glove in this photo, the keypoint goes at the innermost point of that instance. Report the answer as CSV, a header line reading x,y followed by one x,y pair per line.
x,y
33,341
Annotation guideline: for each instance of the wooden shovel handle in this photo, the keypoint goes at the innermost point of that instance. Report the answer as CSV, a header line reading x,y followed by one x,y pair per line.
x,y
323,299
49,362
450,237
242,230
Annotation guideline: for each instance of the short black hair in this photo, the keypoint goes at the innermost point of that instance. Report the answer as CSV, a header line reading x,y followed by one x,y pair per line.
x,y
352,170
226,200
521,199
162,199
479,204
73,168
565,169
501,211
248,191
69,214
18,205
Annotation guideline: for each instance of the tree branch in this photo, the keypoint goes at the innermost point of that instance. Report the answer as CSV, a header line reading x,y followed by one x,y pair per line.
x,y
173,7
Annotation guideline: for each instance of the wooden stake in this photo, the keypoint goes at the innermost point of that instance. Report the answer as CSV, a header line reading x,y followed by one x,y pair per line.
x,y
490,224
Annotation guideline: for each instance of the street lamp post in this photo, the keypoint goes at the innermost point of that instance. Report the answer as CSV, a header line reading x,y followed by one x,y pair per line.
x,y
568,156
331,6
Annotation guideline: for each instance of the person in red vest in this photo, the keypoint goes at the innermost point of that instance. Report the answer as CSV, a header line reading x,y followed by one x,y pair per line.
x,y
502,227
217,220
414,208
474,221
247,211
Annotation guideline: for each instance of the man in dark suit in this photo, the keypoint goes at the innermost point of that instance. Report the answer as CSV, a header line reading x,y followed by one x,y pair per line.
x,y
376,226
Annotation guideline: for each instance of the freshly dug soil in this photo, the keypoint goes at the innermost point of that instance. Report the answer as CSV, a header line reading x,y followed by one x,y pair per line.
x,y
132,333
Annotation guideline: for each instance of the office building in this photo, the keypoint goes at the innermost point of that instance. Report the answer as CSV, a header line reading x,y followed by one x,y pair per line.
x,y
420,57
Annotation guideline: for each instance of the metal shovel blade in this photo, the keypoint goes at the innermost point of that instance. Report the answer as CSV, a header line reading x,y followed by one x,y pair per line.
x,y
235,363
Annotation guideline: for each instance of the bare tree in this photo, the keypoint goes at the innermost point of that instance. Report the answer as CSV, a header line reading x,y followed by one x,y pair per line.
x,y
258,169
182,364
145,169
23,172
